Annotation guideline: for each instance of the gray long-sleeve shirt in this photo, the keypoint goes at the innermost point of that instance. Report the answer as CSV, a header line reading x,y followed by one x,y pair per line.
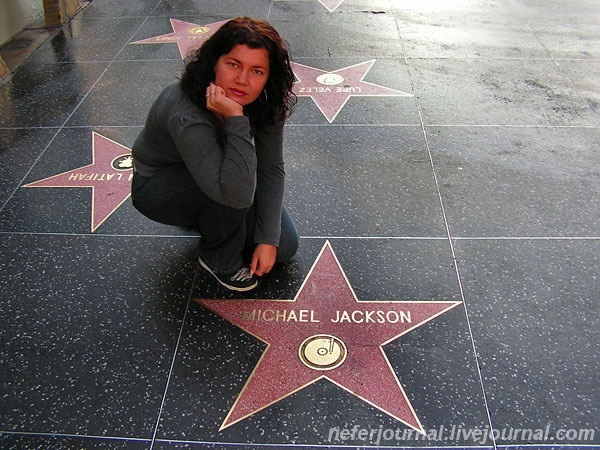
x,y
230,163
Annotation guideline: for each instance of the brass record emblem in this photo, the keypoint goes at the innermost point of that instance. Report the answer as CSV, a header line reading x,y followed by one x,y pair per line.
x,y
322,352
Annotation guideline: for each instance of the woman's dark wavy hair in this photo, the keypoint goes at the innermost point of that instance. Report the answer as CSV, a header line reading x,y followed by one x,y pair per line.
x,y
199,71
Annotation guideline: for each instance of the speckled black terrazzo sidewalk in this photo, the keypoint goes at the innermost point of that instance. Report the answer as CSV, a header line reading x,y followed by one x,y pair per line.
x,y
443,161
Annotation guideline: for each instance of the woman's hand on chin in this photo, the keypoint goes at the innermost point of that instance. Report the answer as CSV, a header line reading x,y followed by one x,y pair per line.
x,y
218,102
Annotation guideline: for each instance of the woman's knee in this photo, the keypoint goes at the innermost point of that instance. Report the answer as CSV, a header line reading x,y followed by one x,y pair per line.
x,y
289,240
287,249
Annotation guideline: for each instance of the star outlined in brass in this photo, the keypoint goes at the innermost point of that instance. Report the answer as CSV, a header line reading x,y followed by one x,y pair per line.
x,y
109,176
331,90
188,36
325,332
331,5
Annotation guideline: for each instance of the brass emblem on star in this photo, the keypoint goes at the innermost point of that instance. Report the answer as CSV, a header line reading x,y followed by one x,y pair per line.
x,y
322,352
330,79
199,30
122,163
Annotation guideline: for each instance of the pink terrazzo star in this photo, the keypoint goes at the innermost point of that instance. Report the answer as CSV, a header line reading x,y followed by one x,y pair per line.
x,y
331,5
325,332
109,177
331,90
188,36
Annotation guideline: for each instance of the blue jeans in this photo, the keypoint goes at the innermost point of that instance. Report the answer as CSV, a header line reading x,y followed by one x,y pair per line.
x,y
172,197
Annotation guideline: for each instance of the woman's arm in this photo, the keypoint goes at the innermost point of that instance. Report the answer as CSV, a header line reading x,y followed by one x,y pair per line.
x,y
269,199
270,185
224,168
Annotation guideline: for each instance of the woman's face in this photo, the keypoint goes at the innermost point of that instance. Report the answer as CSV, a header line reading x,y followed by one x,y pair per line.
x,y
243,73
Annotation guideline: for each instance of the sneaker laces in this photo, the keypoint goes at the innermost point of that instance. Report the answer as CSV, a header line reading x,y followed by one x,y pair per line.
x,y
242,275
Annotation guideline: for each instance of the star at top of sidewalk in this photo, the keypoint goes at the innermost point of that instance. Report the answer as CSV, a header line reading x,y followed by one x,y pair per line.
x,y
331,5
188,36
325,333
109,176
331,90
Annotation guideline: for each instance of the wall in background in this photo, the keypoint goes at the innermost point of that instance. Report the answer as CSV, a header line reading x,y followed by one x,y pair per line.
x,y
16,15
